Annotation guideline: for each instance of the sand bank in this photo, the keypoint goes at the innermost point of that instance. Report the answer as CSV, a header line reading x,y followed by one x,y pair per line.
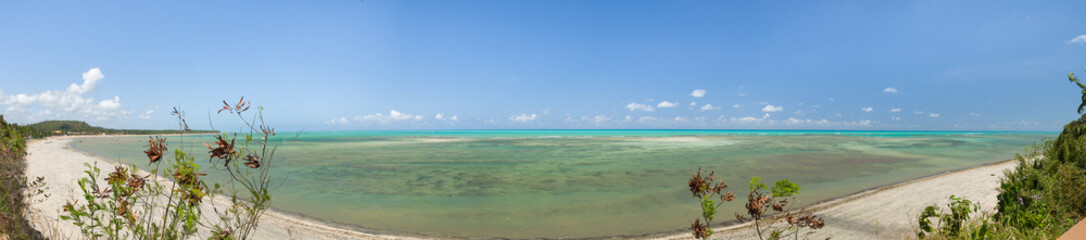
x,y
883,213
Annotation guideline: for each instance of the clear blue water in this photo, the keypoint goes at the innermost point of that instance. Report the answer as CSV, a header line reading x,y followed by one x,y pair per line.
x,y
576,183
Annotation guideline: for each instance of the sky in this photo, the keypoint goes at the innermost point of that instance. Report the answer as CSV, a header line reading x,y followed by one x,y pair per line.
x,y
379,65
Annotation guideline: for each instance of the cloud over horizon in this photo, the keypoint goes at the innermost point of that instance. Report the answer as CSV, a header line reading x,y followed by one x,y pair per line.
x,y
68,104
393,116
523,118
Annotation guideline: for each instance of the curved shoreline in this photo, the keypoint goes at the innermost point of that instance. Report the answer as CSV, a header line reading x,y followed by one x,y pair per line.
x,y
282,222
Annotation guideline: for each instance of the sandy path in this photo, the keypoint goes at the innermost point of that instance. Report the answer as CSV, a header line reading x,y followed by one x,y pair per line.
x,y
890,212
884,213
62,167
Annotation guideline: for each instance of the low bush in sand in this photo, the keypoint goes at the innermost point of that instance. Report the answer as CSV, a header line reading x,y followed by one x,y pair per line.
x,y
711,193
130,205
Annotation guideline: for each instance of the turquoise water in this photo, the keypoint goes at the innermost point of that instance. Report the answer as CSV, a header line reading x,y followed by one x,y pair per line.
x,y
576,183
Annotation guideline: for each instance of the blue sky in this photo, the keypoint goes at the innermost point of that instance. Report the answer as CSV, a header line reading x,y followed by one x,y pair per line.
x,y
352,65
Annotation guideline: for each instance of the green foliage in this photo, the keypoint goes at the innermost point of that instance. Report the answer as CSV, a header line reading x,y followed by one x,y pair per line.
x,y
756,184
785,188
758,207
708,208
705,188
1071,77
15,188
1043,196
950,224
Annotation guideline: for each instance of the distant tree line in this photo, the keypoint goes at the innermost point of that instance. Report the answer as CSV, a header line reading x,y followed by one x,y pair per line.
x,y
65,127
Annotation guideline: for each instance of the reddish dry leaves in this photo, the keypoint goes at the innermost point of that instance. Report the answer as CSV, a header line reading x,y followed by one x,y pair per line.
x,y
700,231
240,107
224,150
252,161
222,234
132,184
701,186
195,194
118,176
756,203
808,221
155,148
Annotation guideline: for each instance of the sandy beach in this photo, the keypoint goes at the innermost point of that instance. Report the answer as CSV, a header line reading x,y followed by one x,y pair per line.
x,y
889,212
882,213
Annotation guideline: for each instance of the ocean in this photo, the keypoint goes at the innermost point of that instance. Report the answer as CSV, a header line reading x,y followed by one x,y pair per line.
x,y
574,183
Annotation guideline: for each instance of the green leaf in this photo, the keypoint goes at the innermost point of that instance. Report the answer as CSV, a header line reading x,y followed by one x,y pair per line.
x,y
756,184
785,188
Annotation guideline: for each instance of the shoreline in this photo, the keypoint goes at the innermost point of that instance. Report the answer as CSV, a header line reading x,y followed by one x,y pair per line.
x,y
314,228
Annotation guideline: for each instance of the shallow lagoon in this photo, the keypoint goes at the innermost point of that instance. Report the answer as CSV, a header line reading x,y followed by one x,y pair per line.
x,y
576,183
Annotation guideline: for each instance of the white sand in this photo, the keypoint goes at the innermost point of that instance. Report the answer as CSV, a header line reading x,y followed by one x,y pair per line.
x,y
884,213
62,167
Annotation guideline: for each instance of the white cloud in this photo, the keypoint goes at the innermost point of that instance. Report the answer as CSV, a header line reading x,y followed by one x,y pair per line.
x,y
867,109
750,119
523,117
339,120
597,118
693,103
666,104
933,115
896,118
638,106
68,104
890,90
680,119
831,99
90,82
146,115
113,104
737,105
1080,39
708,107
646,119
442,117
698,93
895,110
973,114
393,116
771,108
